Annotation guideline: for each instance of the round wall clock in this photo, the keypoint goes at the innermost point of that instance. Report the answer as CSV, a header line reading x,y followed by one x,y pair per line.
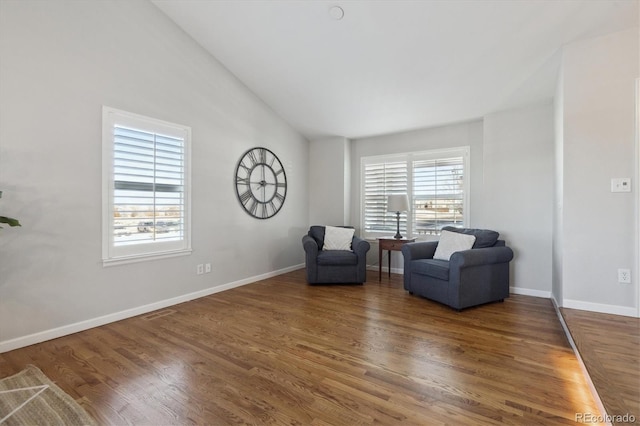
x,y
261,183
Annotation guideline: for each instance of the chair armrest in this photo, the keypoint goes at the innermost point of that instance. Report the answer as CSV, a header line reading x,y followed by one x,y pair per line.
x,y
413,251
360,247
310,246
419,250
482,256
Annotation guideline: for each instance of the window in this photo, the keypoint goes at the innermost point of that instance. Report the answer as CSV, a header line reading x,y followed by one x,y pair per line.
x,y
146,187
434,181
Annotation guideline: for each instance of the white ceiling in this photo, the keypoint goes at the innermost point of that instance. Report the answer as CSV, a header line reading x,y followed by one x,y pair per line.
x,y
390,66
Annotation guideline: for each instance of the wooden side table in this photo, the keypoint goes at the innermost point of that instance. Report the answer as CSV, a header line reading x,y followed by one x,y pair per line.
x,y
389,244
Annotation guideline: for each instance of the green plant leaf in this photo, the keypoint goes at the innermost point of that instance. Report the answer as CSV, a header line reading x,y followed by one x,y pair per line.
x,y
9,221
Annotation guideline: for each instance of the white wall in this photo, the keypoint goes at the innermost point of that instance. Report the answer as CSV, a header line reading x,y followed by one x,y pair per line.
x,y
60,61
598,144
330,177
558,195
518,191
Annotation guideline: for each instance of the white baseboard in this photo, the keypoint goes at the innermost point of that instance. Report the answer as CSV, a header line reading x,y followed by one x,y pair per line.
x,y
385,270
513,290
600,307
54,333
530,292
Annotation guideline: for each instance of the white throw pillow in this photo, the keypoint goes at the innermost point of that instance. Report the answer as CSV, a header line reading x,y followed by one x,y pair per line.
x,y
451,242
337,238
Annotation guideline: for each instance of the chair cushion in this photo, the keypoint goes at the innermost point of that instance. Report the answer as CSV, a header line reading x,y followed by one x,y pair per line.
x,y
432,267
337,257
484,237
451,242
317,233
336,238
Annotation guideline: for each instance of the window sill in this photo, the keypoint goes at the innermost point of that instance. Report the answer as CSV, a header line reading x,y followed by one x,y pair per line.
x,y
144,257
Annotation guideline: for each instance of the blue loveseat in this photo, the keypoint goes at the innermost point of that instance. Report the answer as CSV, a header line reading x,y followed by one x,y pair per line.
x,y
469,278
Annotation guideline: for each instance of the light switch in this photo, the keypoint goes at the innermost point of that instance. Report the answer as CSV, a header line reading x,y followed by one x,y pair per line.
x,y
621,185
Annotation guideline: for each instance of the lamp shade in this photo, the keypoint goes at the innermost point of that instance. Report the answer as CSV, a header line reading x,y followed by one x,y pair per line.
x,y
397,203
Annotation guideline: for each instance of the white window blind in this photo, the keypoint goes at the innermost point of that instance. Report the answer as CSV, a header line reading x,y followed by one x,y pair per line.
x,y
146,174
438,194
435,182
381,180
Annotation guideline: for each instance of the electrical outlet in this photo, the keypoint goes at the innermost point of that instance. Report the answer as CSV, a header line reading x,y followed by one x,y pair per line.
x,y
200,269
207,268
624,276
621,185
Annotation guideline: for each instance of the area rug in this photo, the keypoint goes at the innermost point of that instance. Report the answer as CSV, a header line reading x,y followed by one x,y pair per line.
x,y
30,398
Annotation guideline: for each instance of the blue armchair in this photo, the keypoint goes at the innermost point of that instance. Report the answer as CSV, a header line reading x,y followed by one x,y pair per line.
x,y
334,266
470,277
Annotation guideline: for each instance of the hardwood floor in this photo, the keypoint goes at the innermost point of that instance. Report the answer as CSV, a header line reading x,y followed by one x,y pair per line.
x,y
609,346
280,351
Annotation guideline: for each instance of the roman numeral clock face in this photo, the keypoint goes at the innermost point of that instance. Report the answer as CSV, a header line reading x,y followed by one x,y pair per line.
x,y
261,183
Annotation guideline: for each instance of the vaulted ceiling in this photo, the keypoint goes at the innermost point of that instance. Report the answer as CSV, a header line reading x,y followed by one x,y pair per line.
x,y
389,66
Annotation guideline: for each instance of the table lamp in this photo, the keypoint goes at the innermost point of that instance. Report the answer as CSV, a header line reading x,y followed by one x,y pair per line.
x,y
397,203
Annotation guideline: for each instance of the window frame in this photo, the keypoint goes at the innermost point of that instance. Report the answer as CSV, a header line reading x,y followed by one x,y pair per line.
x,y
111,253
409,158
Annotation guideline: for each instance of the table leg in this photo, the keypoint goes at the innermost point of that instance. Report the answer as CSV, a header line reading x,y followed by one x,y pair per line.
x,y
389,263
379,263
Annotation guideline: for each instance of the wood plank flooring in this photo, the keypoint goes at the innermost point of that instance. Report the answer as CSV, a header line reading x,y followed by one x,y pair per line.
x,y
280,351
609,346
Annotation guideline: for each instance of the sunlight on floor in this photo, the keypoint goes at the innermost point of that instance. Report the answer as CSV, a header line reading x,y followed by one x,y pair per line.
x,y
580,394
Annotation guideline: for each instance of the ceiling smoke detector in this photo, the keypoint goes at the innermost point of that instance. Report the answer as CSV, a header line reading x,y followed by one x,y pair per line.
x,y
336,12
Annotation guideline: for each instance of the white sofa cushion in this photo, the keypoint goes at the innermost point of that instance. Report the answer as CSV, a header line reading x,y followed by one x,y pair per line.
x,y
336,238
451,242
